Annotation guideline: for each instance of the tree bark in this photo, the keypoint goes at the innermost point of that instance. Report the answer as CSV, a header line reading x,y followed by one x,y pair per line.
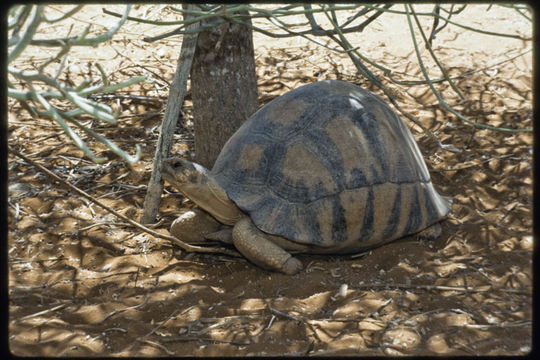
x,y
223,86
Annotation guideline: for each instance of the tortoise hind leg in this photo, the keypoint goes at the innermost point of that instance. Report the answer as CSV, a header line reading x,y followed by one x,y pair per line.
x,y
256,247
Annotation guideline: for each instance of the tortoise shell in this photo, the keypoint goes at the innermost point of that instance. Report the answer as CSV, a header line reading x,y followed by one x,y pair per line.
x,y
329,164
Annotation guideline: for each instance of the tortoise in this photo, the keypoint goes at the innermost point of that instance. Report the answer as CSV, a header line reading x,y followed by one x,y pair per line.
x,y
327,168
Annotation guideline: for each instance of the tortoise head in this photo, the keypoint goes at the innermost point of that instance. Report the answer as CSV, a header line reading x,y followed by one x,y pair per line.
x,y
183,174
197,184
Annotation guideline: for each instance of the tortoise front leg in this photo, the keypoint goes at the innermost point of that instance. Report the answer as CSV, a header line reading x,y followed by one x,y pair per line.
x,y
430,233
255,245
193,226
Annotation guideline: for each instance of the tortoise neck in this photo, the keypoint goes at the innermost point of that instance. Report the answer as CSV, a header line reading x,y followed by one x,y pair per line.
x,y
211,197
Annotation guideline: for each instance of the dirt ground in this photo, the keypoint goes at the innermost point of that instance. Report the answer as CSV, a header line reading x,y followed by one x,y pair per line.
x,y
82,283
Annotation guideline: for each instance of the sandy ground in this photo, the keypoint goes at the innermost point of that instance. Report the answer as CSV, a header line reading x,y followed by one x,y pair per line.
x,y
81,283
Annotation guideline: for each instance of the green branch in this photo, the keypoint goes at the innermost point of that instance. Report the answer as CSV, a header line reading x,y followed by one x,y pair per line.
x,y
36,101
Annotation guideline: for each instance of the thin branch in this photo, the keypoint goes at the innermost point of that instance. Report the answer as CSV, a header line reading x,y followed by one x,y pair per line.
x,y
485,32
285,315
460,76
68,130
178,242
158,345
467,289
118,311
436,93
434,57
65,15
112,146
82,40
17,15
198,338
54,308
271,15
350,19
35,19
519,9
371,77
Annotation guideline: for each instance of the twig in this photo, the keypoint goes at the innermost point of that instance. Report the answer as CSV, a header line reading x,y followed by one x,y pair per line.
x,y
454,23
153,343
270,323
501,325
196,338
21,44
382,306
144,339
285,315
178,242
460,76
58,307
473,165
427,43
16,261
409,10
118,311
115,329
221,323
65,15
83,40
355,56
468,289
127,97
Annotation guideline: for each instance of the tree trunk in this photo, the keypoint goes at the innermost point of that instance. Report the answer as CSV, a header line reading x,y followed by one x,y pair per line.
x,y
223,86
